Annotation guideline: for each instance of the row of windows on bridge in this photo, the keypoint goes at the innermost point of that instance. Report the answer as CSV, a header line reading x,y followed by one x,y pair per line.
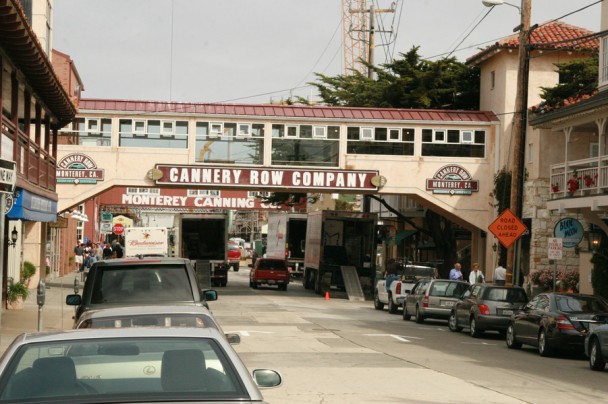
x,y
243,143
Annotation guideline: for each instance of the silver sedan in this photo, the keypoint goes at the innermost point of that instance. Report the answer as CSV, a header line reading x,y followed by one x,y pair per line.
x,y
129,365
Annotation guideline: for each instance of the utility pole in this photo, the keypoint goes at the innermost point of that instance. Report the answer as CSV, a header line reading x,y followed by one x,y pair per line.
x,y
520,122
359,47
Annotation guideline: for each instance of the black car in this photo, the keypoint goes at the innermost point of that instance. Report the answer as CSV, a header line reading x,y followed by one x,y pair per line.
x,y
552,321
486,307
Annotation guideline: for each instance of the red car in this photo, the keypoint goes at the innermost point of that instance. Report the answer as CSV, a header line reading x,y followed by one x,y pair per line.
x,y
269,271
234,256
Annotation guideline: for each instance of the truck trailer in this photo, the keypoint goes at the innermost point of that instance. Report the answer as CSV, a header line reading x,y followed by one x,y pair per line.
x,y
286,238
203,238
338,242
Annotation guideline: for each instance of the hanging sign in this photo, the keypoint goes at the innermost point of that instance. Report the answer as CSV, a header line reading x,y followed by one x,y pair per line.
x,y
570,230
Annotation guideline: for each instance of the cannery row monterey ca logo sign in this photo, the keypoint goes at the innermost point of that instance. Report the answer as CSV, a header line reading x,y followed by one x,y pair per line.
x,y
77,168
343,180
453,180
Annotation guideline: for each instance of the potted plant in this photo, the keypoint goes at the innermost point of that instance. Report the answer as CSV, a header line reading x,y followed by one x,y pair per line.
x,y
27,272
568,281
17,292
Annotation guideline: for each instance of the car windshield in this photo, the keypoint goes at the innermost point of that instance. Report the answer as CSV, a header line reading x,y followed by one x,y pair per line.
x,y
506,295
114,370
580,304
149,320
274,265
447,289
141,284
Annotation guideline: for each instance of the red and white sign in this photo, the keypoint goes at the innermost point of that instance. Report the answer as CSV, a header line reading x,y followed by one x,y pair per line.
x,y
554,248
233,177
118,229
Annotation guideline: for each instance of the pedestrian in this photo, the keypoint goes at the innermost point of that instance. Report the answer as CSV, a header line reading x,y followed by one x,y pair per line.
x,y
476,276
392,269
107,252
98,252
117,248
78,255
456,273
500,275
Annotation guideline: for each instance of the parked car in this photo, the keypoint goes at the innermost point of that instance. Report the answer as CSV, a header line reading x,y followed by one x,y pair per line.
x,y
408,276
152,316
127,366
433,298
552,321
134,282
596,342
234,255
269,271
486,307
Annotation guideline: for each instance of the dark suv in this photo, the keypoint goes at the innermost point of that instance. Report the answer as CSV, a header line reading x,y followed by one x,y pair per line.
x,y
137,282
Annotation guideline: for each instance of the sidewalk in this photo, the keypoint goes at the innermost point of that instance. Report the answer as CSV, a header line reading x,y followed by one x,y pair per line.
x,y
55,314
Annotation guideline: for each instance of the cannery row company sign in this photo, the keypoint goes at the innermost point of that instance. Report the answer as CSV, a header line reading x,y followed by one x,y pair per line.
x,y
453,180
342,180
78,168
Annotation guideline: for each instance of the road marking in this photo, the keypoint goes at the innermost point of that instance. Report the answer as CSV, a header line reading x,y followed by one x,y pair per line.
x,y
478,343
247,333
402,338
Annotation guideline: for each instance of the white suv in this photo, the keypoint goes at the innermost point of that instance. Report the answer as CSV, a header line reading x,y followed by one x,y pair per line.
x,y
399,289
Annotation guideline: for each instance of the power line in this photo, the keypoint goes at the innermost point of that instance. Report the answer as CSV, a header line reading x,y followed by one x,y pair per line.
x,y
470,32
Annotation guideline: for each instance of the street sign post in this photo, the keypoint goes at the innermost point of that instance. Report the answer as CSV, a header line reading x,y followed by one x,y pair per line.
x,y
554,252
507,228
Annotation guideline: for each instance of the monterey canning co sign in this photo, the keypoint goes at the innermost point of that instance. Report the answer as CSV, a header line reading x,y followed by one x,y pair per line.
x,y
452,179
78,168
227,177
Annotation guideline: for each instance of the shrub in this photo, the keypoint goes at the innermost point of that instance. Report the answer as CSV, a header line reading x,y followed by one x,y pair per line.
x,y
15,290
565,279
27,271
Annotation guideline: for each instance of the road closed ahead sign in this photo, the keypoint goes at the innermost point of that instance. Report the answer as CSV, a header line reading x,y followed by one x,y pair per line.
x,y
507,228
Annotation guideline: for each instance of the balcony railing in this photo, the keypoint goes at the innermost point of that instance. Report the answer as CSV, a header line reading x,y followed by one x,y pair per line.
x,y
583,177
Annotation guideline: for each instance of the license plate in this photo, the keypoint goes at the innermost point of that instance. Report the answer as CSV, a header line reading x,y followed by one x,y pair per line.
x,y
271,281
507,312
447,303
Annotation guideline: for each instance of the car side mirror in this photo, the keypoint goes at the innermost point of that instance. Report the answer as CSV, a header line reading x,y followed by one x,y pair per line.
x,y
210,295
266,378
233,339
73,300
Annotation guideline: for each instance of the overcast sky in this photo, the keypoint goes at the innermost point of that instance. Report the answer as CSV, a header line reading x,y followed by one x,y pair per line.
x,y
255,51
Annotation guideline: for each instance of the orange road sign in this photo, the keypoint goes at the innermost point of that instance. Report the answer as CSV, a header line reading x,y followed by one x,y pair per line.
x,y
507,228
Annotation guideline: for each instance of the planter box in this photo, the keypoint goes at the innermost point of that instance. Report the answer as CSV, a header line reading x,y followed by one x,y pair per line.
x,y
16,304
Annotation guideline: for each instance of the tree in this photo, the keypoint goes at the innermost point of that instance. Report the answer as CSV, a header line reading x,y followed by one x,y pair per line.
x,y
577,80
409,82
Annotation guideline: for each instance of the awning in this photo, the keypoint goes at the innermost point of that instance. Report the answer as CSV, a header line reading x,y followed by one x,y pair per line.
x,y
402,235
32,207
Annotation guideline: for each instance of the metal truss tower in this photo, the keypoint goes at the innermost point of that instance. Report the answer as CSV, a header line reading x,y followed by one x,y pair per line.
x,y
354,29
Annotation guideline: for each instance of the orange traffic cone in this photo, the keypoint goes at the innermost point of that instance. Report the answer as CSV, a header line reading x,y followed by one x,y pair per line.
x,y
326,295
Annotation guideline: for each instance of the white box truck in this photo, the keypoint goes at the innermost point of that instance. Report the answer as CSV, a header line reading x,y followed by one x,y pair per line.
x,y
286,238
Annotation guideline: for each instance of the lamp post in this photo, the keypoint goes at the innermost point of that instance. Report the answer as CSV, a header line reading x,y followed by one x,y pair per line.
x,y
14,236
520,120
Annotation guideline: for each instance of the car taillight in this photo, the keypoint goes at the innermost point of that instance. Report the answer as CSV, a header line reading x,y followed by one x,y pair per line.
x,y
483,309
563,323
425,301
398,288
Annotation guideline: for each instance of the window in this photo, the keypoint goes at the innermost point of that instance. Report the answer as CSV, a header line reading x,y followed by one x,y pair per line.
x,y
214,193
143,191
458,143
367,133
217,129
292,131
319,132
604,62
492,79
530,152
305,145
439,136
394,135
139,128
594,150
167,130
244,129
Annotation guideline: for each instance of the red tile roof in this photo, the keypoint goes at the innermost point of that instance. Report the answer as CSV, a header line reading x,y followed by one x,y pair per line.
x,y
547,36
284,111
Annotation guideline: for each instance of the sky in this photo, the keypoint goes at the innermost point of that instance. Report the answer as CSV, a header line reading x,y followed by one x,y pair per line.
x,y
258,51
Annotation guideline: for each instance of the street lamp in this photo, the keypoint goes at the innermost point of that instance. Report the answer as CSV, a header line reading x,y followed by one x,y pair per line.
x,y
14,236
595,239
492,3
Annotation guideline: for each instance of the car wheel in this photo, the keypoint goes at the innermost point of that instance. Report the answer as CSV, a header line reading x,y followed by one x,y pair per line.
x,y
283,287
255,285
406,316
596,359
378,305
235,268
250,284
512,342
223,284
453,323
473,330
392,307
419,318
543,346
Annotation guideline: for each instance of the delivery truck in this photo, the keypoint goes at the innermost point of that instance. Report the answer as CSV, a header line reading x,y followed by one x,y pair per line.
x,y
203,238
337,243
286,238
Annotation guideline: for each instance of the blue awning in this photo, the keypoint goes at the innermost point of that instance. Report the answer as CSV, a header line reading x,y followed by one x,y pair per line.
x,y
32,207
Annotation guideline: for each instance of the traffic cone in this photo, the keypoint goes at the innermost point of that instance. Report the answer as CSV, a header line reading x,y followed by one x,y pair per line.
x,y
326,295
